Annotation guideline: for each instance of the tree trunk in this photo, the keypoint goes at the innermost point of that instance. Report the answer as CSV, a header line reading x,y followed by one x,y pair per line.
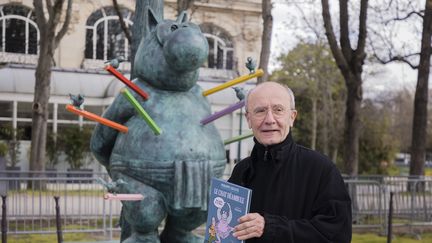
x,y
266,38
139,28
40,108
49,41
352,127
314,123
418,143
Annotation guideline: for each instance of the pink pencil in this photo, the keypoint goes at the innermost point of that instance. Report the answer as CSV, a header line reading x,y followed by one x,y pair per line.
x,y
123,197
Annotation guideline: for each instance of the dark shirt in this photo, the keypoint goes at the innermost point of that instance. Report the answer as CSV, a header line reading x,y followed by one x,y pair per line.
x,y
299,192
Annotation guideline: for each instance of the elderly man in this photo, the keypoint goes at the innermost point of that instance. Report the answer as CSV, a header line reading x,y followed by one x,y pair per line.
x,y
298,195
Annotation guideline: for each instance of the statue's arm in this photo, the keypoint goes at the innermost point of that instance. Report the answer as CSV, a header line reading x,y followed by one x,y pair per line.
x,y
104,137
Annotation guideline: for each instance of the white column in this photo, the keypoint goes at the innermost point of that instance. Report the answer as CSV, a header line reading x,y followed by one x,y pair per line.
x,y
80,118
14,117
55,117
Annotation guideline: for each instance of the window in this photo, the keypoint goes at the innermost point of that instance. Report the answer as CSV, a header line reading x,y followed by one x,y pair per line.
x,y
220,47
18,30
105,38
6,109
25,110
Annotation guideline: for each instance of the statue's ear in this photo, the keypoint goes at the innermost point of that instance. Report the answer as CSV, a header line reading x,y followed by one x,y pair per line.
x,y
182,17
152,19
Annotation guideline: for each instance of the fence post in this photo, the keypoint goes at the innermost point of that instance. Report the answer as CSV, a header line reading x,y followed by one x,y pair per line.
x,y
390,219
4,221
384,203
58,220
413,194
104,225
111,221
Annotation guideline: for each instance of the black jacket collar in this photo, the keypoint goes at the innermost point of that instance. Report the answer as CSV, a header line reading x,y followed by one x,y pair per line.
x,y
273,153
277,154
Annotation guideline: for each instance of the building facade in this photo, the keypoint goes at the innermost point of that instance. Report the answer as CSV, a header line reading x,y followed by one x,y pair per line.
x,y
232,28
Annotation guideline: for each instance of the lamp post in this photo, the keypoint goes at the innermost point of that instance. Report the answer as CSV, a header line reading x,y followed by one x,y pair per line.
x,y
240,132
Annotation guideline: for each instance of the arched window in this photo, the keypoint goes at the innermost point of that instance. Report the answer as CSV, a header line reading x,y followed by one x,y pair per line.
x,y
105,38
221,50
18,30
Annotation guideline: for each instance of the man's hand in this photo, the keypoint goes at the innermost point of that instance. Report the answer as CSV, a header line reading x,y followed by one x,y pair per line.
x,y
251,225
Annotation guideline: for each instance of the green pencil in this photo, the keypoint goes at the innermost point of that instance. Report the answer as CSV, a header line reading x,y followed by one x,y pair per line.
x,y
141,111
238,138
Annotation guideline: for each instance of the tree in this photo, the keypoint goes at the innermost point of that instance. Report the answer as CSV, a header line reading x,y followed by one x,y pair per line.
x,y
350,62
183,5
75,143
406,11
310,70
266,38
402,108
12,137
50,37
123,25
378,145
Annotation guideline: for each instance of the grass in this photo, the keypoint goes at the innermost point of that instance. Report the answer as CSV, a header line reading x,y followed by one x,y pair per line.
x,y
373,238
85,237
70,224
50,238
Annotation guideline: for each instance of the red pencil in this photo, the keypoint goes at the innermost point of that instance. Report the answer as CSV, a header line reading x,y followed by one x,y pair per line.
x,y
126,81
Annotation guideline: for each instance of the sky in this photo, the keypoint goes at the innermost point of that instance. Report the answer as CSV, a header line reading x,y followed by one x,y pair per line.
x,y
390,76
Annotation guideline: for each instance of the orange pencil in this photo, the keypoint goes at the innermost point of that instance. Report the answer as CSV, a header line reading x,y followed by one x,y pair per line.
x,y
97,118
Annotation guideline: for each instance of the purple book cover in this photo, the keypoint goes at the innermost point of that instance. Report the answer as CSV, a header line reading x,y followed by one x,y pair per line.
x,y
227,203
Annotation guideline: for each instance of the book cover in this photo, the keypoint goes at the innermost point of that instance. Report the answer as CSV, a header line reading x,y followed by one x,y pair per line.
x,y
227,203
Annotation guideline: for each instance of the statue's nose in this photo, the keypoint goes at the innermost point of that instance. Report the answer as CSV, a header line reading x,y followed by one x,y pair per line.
x,y
186,50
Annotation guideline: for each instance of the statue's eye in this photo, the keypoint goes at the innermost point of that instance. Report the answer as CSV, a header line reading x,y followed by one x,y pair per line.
x,y
174,27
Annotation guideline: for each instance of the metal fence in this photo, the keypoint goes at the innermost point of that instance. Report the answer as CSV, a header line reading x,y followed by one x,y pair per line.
x,y
412,202
31,205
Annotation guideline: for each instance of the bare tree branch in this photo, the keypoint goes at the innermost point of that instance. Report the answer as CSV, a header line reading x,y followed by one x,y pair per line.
x,y
420,14
337,53
403,59
361,43
313,27
65,26
183,5
49,7
344,30
57,9
40,17
122,22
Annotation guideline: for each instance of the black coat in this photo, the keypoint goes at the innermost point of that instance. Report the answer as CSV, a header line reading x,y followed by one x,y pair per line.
x,y
299,192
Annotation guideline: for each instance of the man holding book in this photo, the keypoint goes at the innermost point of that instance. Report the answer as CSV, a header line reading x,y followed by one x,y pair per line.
x,y
298,195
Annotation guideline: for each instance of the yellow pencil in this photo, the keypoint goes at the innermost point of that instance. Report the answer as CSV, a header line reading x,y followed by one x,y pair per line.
x,y
257,73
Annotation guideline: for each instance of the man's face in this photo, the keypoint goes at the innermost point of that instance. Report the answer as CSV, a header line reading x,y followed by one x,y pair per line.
x,y
269,113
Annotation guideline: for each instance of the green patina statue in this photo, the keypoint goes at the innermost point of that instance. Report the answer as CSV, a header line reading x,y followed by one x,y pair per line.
x,y
171,170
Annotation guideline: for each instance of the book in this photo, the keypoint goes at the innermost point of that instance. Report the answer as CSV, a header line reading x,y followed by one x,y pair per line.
x,y
227,203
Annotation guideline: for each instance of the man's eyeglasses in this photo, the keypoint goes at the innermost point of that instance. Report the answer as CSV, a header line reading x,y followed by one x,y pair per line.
x,y
261,112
